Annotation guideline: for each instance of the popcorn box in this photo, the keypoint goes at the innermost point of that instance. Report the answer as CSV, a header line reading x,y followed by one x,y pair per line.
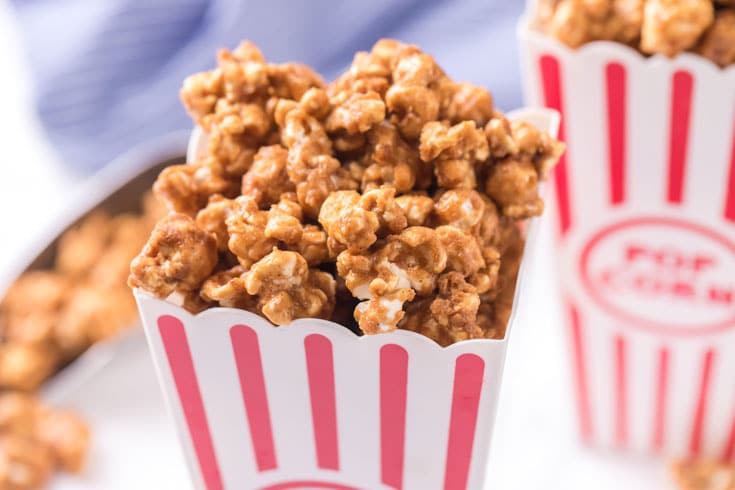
x,y
312,405
645,200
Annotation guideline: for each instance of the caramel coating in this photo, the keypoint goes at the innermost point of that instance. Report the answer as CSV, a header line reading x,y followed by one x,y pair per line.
x,y
704,475
25,464
673,26
178,256
355,222
718,42
267,178
25,366
286,289
187,188
454,151
67,436
513,185
450,316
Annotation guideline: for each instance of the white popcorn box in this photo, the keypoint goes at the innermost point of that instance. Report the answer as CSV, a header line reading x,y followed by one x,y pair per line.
x,y
646,241
312,405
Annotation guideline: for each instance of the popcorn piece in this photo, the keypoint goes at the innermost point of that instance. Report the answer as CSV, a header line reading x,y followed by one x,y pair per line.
x,y
18,413
200,93
390,160
463,252
310,164
407,264
292,80
227,288
179,256
413,99
469,102
355,222
234,135
246,228
513,185
129,234
287,289
313,245
355,112
450,316
704,475
454,151
536,146
91,315
81,247
213,219
28,328
186,188
35,290
417,208
66,436
461,208
718,43
25,366
25,464
673,26
382,314
267,178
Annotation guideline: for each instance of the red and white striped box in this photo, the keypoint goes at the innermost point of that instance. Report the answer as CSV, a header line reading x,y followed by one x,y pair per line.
x,y
646,232
311,405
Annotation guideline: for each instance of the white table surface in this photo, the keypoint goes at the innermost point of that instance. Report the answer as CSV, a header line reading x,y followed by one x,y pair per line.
x,y
134,443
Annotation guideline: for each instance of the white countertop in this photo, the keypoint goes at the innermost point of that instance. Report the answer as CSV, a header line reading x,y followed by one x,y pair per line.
x,y
134,444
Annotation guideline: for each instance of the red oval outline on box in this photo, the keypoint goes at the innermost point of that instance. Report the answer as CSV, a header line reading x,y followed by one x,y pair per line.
x,y
645,324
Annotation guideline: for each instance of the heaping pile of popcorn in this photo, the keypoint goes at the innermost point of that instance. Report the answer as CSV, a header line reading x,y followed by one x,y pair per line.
x,y
667,27
393,195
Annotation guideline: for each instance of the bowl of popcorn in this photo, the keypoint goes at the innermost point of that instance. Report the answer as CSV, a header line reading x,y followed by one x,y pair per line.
x,y
329,299
645,211
68,313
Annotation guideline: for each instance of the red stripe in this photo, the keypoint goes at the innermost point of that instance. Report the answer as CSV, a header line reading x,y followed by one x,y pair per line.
x,y
730,200
616,117
662,389
580,375
700,411
252,384
469,370
729,450
550,75
393,385
312,484
681,108
177,350
621,392
320,369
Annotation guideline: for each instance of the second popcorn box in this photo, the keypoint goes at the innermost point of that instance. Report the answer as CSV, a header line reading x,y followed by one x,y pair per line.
x,y
645,200
328,302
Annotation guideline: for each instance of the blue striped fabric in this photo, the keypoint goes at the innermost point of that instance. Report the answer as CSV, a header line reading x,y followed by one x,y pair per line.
x,y
107,72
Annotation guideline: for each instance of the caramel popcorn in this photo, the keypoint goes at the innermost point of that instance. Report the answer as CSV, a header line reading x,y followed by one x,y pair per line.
x,y
47,319
25,464
25,366
704,475
35,440
393,196
666,27
355,222
287,289
718,43
267,178
454,151
178,256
